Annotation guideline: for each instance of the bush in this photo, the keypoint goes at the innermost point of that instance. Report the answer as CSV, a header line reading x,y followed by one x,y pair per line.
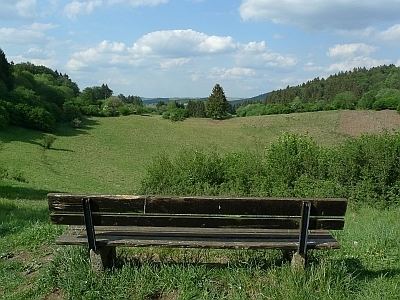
x,y
344,100
48,141
71,111
76,123
366,169
387,99
175,113
31,117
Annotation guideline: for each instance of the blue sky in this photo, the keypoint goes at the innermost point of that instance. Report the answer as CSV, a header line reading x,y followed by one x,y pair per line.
x,y
181,48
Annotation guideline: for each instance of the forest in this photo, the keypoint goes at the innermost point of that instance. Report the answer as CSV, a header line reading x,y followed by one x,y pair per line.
x,y
38,97
375,88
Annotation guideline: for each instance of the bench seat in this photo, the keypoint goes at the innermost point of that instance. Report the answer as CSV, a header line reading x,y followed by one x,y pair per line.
x,y
220,238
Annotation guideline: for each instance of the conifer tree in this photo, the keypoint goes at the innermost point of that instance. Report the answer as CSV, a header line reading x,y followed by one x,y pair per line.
x,y
5,71
217,105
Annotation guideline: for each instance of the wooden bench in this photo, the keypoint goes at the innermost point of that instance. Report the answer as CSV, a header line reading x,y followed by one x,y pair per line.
x,y
104,222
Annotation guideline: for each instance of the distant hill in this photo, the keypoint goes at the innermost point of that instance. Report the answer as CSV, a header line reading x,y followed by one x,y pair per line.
x,y
151,101
376,88
259,98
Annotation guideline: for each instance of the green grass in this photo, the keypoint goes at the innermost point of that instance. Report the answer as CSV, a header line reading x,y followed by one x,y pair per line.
x,y
110,155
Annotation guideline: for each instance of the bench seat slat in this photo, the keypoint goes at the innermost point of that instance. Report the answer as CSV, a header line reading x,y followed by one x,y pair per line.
x,y
200,238
195,221
198,205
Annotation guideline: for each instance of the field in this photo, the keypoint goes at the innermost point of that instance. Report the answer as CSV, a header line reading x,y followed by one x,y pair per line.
x,y
110,155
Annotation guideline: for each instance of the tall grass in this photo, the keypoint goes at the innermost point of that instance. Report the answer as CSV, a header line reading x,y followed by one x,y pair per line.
x,y
365,169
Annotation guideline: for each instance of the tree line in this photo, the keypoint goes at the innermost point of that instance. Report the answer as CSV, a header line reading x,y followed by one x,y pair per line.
x,y
38,97
375,88
216,107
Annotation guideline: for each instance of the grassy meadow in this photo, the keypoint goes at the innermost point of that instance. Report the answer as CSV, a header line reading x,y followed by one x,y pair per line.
x,y
110,155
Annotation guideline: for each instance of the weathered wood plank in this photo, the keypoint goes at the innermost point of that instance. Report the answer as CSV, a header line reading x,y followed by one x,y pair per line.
x,y
198,205
200,242
197,232
103,219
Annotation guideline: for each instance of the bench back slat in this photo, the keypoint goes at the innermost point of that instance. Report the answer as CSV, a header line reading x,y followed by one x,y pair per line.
x,y
104,219
198,205
205,212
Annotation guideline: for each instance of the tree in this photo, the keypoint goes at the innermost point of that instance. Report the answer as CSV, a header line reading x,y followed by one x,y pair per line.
x,y
217,106
5,72
196,109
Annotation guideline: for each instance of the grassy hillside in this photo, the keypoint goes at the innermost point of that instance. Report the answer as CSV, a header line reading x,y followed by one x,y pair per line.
x,y
110,155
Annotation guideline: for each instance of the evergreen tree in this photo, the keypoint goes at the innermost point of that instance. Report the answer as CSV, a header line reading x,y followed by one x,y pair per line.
x,y
196,109
5,71
217,105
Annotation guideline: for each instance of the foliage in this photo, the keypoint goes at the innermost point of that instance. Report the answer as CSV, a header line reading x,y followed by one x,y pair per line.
x,y
376,88
365,169
48,141
28,91
76,123
196,109
6,77
4,116
387,99
175,111
217,105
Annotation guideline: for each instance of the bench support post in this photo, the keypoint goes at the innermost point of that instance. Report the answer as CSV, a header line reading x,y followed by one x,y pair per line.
x,y
102,258
300,257
87,215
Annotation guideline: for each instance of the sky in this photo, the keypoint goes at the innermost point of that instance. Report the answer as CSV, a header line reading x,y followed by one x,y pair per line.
x,y
182,48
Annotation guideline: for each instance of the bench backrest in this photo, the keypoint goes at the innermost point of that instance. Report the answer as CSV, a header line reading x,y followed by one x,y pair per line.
x,y
207,212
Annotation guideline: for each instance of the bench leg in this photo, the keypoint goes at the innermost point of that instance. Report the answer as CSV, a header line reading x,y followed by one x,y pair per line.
x,y
287,255
298,261
102,258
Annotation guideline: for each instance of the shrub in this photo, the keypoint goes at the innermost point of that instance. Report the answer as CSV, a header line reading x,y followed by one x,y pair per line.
x,y
345,100
71,111
365,169
76,123
178,114
387,99
48,141
124,110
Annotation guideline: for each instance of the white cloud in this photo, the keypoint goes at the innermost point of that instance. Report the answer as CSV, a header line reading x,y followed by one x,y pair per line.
x,y
312,67
168,48
173,62
104,53
29,34
76,8
391,34
178,43
26,8
42,61
19,8
350,50
174,48
353,55
257,55
356,62
320,14
232,73
81,7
